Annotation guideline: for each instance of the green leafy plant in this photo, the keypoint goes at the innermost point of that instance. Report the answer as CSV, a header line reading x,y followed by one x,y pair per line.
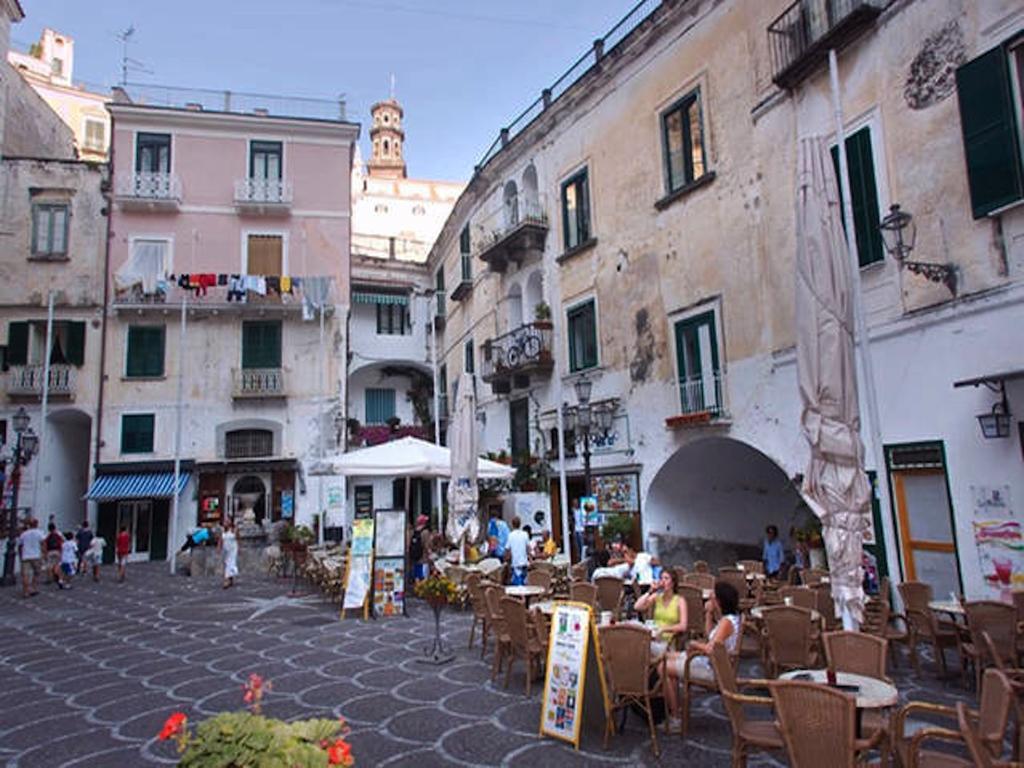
x,y
542,311
617,526
297,534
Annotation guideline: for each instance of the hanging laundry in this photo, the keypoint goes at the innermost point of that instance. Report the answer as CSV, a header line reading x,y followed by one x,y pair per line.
x,y
274,285
256,284
315,294
236,288
222,280
204,282
286,284
183,281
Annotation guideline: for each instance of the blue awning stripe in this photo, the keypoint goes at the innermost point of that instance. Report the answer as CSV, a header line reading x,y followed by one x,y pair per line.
x,y
139,485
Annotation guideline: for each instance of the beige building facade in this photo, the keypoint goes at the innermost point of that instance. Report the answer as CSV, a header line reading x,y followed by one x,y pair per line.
x,y
637,229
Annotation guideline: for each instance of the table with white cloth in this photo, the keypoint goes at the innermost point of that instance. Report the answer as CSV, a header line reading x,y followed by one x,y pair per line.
x,y
525,592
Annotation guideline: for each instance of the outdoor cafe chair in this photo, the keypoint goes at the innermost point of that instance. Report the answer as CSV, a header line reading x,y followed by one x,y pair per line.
x,y
539,578
812,576
693,597
925,624
578,572
802,597
523,642
626,653
819,725
999,620
752,566
701,566
583,592
609,593
480,616
695,677
700,580
857,653
879,620
915,737
496,621
747,734
788,638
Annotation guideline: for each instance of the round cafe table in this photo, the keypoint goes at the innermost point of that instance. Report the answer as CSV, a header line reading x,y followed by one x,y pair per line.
x,y
758,612
870,693
525,592
953,607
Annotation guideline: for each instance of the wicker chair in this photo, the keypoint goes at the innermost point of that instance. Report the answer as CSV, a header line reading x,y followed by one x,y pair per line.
x,y
971,738
752,566
746,734
626,653
609,593
578,572
992,716
801,597
694,599
857,653
539,578
788,639
496,620
524,643
879,620
924,625
583,592
692,681
480,616
813,576
700,580
1000,621
701,566
680,572
818,725
826,607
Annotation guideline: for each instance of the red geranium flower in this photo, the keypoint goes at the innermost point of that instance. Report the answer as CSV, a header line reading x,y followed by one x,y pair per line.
x,y
340,753
173,726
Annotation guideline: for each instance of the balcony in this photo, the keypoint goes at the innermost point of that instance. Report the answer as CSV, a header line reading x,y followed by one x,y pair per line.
x,y
701,401
257,383
518,228
802,36
465,285
375,434
263,196
510,359
148,191
27,381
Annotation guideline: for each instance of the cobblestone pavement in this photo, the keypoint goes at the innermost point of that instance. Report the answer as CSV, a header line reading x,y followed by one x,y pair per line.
x,y
89,675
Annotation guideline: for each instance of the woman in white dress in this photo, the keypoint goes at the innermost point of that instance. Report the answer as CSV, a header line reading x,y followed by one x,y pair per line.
x,y
229,545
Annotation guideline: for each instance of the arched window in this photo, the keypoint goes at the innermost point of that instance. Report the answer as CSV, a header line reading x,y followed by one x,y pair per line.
x,y
385,147
248,443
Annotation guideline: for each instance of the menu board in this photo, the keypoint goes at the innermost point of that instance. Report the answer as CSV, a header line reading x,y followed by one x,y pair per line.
x,y
360,565
388,587
389,531
573,651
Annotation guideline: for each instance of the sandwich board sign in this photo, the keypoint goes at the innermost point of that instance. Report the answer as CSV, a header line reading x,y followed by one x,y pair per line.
x,y
359,569
389,563
575,686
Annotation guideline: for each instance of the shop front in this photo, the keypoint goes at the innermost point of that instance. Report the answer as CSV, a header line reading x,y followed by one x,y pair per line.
x,y
247,490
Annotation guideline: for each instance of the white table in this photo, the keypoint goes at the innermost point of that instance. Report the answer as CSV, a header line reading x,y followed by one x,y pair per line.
x,y
952,607
525,592
871,692
758,612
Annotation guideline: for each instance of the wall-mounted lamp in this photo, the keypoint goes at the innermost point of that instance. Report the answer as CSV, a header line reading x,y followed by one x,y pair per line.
x,y
899,233
996,423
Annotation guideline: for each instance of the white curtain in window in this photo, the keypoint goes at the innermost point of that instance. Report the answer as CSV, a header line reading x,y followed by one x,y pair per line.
x,y
146,266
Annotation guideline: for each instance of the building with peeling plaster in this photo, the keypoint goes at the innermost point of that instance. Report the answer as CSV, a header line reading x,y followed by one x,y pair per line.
x,y
645,204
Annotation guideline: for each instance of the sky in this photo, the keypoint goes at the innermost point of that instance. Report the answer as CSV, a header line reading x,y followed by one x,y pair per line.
x,y
462,69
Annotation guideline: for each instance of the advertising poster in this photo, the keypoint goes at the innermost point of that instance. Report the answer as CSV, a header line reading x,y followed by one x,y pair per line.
x,y
360,564
362,536
562,703
287,504
1000,545
617,494
591,515
389,587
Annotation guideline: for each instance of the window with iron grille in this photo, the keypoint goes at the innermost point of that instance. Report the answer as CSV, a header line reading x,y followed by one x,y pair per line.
x,y
248,443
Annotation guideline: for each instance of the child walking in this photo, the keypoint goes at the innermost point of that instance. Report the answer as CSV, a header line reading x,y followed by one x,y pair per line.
x,y
122,548
68,561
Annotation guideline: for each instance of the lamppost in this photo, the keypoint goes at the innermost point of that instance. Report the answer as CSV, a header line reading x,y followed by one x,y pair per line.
x,y
24,449
585,421
899,233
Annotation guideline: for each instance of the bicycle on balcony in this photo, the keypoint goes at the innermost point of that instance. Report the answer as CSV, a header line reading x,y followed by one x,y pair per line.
x,y
523,347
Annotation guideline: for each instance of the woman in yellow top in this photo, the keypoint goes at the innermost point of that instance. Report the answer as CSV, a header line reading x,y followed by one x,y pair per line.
x,y
669,608
550,548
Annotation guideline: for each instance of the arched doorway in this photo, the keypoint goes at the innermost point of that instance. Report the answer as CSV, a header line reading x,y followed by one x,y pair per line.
x,y
515,306
534,294
249,492
510,199
530,197
712,499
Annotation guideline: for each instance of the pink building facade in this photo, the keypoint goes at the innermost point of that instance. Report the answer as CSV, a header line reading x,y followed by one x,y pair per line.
x,y
245,220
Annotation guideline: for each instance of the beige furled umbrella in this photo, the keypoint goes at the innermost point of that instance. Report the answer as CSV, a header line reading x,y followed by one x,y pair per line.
x,y
463,514
835,484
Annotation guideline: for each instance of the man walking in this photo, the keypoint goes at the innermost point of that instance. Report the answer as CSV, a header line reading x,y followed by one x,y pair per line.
x,y
30,550
519,548
772,553
83,538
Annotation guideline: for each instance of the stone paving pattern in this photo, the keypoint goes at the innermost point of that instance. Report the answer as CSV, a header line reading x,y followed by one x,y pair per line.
x,y
90,674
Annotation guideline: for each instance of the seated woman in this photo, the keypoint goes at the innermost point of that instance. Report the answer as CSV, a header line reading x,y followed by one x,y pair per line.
x,y
727,632
669,609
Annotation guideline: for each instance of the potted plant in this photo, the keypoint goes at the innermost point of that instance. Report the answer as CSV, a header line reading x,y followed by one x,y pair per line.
x,y
393,423
438,591
617,527
542,312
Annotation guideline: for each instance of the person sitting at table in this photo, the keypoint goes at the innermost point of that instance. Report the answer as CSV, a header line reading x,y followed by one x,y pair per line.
x,y
669,609
548,547
725,601
620,568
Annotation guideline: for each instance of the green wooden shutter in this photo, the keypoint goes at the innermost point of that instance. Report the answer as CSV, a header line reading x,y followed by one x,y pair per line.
x,y
990,132
261,344
145,356
75,352
17,343
864,193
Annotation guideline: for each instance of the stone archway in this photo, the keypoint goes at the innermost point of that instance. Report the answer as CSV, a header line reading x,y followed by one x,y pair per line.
x,y
713,498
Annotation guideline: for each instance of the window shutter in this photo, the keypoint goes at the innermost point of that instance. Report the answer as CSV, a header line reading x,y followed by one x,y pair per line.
x,y
261,345
76,343
864,191
990,133
17,343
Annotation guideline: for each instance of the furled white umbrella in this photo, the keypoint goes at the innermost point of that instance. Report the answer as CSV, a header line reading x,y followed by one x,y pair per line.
x,y
407,457
835,485
463,495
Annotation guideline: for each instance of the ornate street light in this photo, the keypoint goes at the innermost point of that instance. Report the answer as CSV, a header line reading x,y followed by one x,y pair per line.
x,y
24,449
899,233
996,423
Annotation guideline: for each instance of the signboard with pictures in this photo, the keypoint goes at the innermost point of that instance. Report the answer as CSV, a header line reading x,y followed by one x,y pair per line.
x,y
360,567
389,562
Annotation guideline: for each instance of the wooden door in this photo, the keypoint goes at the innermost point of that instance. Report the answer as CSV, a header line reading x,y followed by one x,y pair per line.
x,y
926,532
282,483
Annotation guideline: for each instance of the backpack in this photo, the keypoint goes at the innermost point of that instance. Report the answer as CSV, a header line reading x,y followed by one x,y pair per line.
x,y
416,546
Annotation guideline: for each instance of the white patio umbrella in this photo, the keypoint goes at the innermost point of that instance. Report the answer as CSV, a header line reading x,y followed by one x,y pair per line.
x,y
408,457
463,522
835,485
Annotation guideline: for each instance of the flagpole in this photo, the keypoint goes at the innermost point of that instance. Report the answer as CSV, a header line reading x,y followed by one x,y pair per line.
x,y
862,341
45,403
179,406
432,313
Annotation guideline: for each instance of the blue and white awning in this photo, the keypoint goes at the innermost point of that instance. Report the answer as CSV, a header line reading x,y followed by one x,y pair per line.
x,y
136,485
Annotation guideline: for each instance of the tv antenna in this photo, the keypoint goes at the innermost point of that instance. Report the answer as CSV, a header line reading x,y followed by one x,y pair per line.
x,y
128,63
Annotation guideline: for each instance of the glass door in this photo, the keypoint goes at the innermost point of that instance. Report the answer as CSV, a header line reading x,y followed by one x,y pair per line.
x,y
137,517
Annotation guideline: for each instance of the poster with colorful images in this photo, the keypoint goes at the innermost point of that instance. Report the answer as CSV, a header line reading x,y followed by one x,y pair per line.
x,y
617,494
362,536
591,514
1000,545
389,587
360,565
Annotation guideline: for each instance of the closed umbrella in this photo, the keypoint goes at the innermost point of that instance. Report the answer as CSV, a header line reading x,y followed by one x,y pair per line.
x,y
835,485
463,513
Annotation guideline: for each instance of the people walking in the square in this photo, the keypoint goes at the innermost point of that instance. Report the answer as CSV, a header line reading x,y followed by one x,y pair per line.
x,y
94,556
518,547
53,544
122,548
83,538
229,546
68,561
30,550
772,554
578,529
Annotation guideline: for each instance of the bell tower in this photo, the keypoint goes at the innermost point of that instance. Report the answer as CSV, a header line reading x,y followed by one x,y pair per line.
x,y
387,137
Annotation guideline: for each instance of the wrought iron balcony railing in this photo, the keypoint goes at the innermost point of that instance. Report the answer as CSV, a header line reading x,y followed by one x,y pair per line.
x,y
511,358
148,189
800,38
700,398
263,193
518,226
27,381
258,382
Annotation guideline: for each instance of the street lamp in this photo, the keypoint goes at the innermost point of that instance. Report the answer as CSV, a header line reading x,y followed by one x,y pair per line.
x,y
24,449
899,233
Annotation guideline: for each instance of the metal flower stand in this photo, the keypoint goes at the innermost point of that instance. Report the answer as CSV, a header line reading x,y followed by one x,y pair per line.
x,y
437,653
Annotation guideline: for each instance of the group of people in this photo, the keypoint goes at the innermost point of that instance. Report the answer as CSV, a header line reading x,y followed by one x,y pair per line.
x,y
62,555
